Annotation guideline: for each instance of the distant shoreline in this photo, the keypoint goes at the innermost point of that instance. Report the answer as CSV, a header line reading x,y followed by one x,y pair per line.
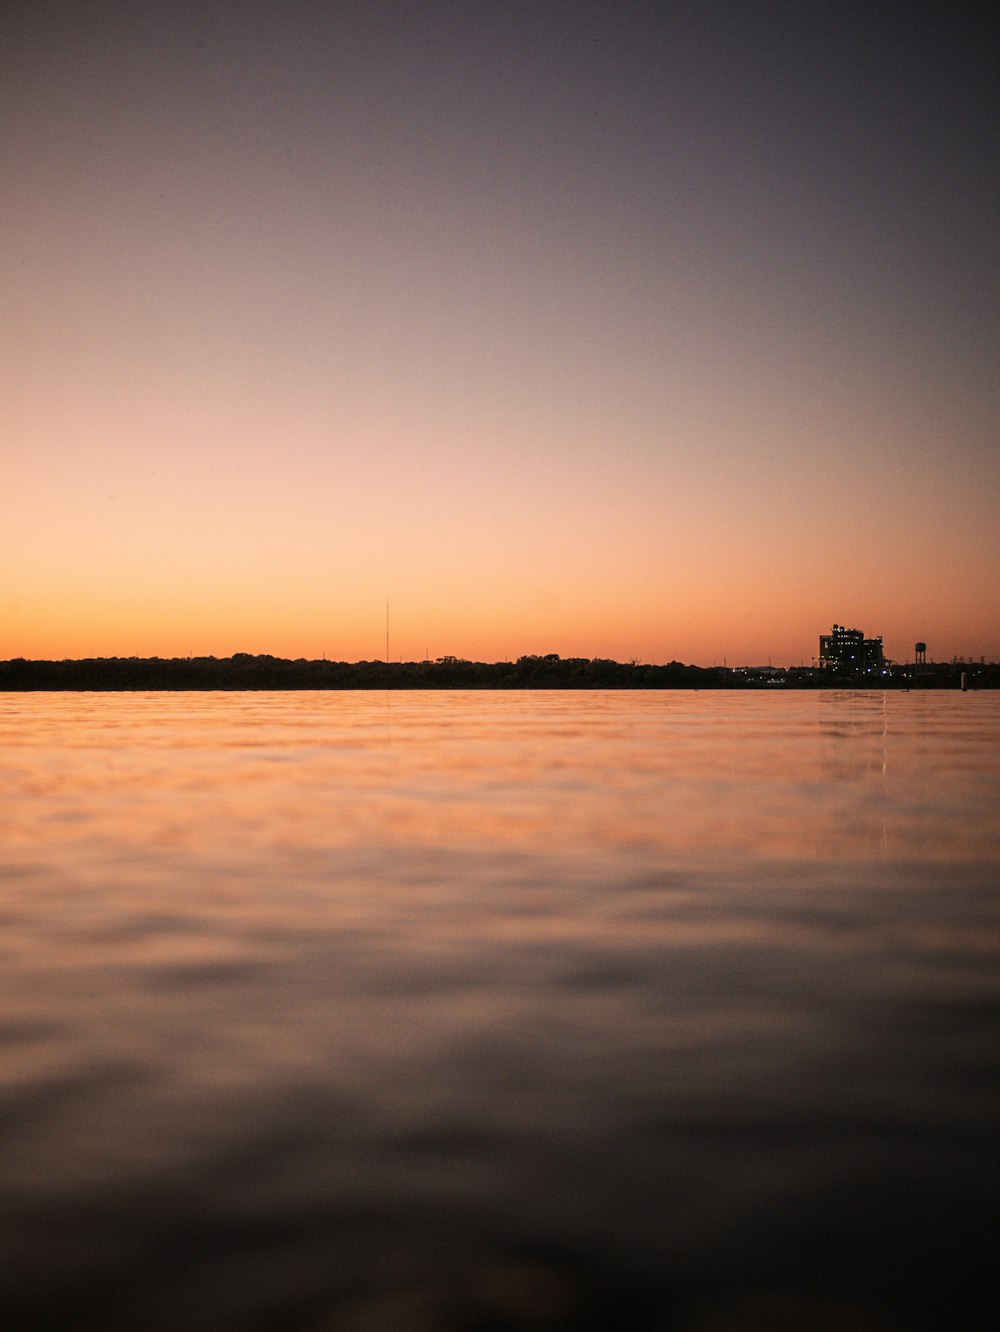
x,y
245,671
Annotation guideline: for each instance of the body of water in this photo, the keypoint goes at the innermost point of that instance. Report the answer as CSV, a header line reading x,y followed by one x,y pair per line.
x,y
337,1011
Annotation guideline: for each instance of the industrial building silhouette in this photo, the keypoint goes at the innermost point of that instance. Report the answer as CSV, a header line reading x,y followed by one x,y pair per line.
x,y
848,652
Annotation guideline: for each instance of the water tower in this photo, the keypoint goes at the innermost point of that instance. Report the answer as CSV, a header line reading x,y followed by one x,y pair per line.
x,y
920,651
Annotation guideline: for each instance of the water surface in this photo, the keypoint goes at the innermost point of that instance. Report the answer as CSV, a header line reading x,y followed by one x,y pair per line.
x,y
474,1010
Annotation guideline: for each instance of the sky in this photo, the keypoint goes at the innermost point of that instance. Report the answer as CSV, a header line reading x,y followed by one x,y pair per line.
x,y
648,331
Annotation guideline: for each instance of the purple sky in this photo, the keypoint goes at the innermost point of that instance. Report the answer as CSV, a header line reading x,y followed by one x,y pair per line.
x,y
653,330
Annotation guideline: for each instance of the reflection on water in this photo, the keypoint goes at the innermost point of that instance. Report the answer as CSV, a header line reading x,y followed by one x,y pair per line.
x,y
337,1011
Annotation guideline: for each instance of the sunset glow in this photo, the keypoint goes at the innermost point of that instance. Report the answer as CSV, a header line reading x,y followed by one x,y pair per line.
x,y
654,331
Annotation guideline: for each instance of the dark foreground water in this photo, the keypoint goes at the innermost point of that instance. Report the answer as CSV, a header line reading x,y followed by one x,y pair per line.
x,y
480,1011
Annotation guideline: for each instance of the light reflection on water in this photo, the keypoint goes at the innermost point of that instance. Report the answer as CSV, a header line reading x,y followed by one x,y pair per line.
x,y
337,1010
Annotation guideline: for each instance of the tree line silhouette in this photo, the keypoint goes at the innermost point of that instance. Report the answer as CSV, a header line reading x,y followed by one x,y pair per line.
x,y
248,671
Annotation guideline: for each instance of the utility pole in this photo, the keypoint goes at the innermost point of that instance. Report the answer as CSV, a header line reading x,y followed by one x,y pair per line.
x,y
387,633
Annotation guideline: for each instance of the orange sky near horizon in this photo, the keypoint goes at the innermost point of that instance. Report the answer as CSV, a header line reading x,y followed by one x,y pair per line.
x,y
647,338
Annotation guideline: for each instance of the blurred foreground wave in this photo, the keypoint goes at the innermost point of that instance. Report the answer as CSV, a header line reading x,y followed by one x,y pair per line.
x,y
498,1011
